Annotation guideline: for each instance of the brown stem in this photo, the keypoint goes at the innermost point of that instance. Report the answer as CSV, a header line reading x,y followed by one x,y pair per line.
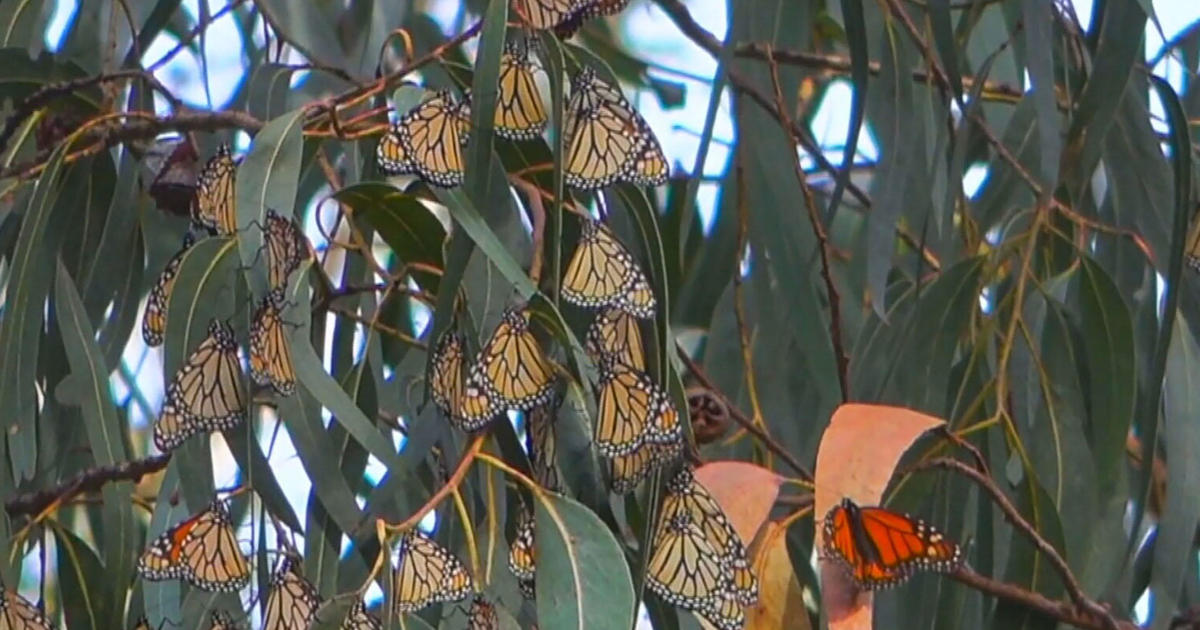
x,y
814,218
451,484
1085,606
537,218
1060,610
741,418
682,18
89,480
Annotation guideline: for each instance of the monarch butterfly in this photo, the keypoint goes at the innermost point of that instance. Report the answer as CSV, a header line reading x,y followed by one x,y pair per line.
x,y
201,550
541,444
213,207
360,619
270,353
428,573
292,601
602,272
428,141
222,621
615,336
469,406
17,613
625,472
684,568
725,611
206,393
511,366
632,411
606,139
565,16
287,248
880,548
482,615
154,320
686,496
522,555
520,114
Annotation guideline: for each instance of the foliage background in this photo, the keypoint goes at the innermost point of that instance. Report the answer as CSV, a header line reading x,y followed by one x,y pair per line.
x,y
1046,314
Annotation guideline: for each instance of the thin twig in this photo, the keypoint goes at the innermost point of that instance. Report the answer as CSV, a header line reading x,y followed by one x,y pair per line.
x,y
683,19
1083,603
451,484
814,218
537,213
90,480
193,34
741,418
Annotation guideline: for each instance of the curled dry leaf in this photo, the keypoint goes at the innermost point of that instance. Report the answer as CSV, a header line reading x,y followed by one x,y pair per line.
x,y
857,457
780,596
746,492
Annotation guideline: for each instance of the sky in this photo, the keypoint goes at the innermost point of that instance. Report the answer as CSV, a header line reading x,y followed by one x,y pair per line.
x,y
645,29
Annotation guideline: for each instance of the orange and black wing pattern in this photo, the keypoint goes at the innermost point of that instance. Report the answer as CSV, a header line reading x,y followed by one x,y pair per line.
x,y
16,613
201,550
880,548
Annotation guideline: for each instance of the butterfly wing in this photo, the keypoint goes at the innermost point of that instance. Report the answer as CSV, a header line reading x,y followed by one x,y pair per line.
x,y
213,206
520,113
482,615
513,365
360,619
625,472
542,445
607,140
546,14
633,410
431,135
206,393
684,569
428,573
602,272
287,248
687,496
270,352
881,548
292,601
615,336
446,371
154,320
17,613
210,556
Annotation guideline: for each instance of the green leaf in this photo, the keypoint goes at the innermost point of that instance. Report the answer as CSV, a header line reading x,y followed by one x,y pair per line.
x,y
1181,440
583,581
20,329
105,434
307,26
403,222
85,583
267,179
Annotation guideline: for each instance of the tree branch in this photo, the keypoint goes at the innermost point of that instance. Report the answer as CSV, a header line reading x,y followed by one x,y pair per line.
x,y
90,480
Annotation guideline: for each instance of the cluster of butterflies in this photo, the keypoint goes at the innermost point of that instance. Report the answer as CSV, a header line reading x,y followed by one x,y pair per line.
x,y
606,140
202,550
638,428
206,394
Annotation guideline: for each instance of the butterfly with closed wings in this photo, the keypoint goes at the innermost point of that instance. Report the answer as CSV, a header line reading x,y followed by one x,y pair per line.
x,y
427,573
201,550
213,207
428,141
154,320
270,351
602,273
606,140
292,601
206,394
